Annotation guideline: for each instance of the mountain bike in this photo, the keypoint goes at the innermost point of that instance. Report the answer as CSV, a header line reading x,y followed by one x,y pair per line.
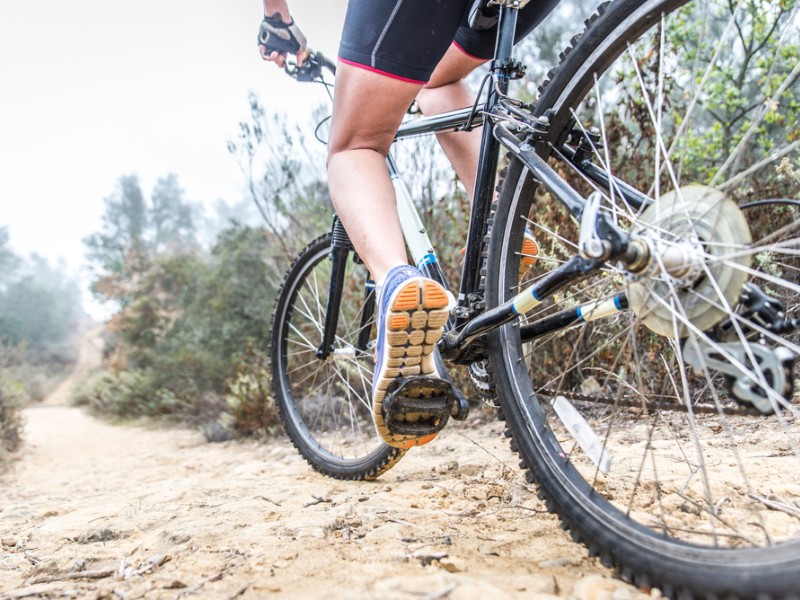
x,y
645,365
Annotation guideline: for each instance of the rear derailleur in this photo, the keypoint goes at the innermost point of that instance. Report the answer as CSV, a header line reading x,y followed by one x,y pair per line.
x,y
756,374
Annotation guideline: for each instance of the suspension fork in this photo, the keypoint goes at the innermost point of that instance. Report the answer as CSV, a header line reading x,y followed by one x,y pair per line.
x,y
367,311
341,247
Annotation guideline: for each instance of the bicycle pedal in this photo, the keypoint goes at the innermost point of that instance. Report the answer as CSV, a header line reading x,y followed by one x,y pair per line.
x,y
419,406
460,407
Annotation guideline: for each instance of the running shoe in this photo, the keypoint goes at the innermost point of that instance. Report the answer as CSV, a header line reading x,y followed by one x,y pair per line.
x,y
529,253
412,313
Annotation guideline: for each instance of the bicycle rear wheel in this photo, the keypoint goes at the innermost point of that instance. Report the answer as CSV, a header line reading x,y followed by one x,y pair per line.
x,y
325,402
689,478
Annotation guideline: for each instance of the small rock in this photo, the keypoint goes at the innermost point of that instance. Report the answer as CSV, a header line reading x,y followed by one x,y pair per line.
x,y
176,584
77,566
590,386
101,534
690,508
471,470
175,537
385,532
451,465
426,558
9,542
555,563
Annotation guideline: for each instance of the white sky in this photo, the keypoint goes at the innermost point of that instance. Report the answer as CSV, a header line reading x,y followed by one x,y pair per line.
x,y
94,89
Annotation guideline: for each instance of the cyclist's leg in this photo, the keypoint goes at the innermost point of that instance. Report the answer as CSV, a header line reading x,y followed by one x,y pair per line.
x,y
379,75
447,90
412,310
367,111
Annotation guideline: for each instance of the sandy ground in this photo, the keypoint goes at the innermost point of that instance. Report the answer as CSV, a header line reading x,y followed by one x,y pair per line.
x,y
95,510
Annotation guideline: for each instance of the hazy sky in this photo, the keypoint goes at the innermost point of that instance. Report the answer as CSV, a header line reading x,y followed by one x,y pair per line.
x,y
94,89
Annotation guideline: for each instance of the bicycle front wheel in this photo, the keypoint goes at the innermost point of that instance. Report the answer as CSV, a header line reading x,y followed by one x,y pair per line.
x,y
656,411
325,398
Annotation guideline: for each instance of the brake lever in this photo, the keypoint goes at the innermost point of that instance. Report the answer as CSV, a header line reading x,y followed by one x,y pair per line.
x,y
310,70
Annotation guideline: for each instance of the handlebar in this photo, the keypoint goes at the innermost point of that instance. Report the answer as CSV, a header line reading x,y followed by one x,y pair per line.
x,y
311,69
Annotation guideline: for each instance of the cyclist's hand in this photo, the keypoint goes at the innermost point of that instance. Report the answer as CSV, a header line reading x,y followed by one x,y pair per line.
x,y
277,39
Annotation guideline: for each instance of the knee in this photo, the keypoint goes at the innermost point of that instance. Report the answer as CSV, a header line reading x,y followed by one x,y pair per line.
x,y
343,142
436,99
431,99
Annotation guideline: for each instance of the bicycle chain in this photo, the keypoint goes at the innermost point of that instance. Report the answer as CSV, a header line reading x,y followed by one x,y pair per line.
x,y
654,402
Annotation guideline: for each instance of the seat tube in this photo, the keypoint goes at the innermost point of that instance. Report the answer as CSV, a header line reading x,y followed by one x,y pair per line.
x,y
487,164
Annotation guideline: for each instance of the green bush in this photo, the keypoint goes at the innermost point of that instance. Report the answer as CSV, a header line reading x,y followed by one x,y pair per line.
x,y
188,339
11,401
111,393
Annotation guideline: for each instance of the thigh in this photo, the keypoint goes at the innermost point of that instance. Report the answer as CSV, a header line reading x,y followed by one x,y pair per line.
x,y
368,108
404,39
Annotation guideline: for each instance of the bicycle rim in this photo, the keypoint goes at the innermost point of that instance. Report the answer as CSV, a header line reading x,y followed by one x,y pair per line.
x,y
685,482
325,403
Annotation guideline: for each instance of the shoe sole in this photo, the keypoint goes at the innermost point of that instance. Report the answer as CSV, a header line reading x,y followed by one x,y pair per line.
x,y
417,313
529,254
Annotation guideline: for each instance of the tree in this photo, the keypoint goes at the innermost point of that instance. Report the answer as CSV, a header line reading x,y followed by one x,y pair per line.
x,y
39,309
285,176
171,217
123,230
135,231
8,260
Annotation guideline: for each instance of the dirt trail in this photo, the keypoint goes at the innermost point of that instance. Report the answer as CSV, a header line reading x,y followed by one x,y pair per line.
x,y
94,510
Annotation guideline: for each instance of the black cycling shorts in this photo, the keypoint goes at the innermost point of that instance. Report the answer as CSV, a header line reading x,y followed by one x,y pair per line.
x,y
405,39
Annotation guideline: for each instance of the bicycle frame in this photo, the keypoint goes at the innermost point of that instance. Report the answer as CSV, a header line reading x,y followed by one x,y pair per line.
x,y
469,322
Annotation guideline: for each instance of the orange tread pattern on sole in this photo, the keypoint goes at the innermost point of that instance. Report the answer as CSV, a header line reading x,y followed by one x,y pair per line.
x,y
530,252
416,319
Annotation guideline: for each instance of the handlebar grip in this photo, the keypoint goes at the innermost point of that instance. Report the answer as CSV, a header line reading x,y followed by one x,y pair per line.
x,y
328,64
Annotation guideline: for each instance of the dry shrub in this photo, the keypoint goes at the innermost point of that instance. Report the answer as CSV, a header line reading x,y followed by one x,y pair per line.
x,y
11,402
249,400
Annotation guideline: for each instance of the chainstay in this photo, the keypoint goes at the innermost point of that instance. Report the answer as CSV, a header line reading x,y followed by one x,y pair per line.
x,y
653,402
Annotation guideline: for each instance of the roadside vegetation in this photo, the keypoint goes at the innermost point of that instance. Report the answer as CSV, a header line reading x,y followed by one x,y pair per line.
x,y
193,296
40,311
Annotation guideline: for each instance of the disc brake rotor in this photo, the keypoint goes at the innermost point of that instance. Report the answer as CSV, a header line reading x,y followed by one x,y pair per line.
x,y
715,237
